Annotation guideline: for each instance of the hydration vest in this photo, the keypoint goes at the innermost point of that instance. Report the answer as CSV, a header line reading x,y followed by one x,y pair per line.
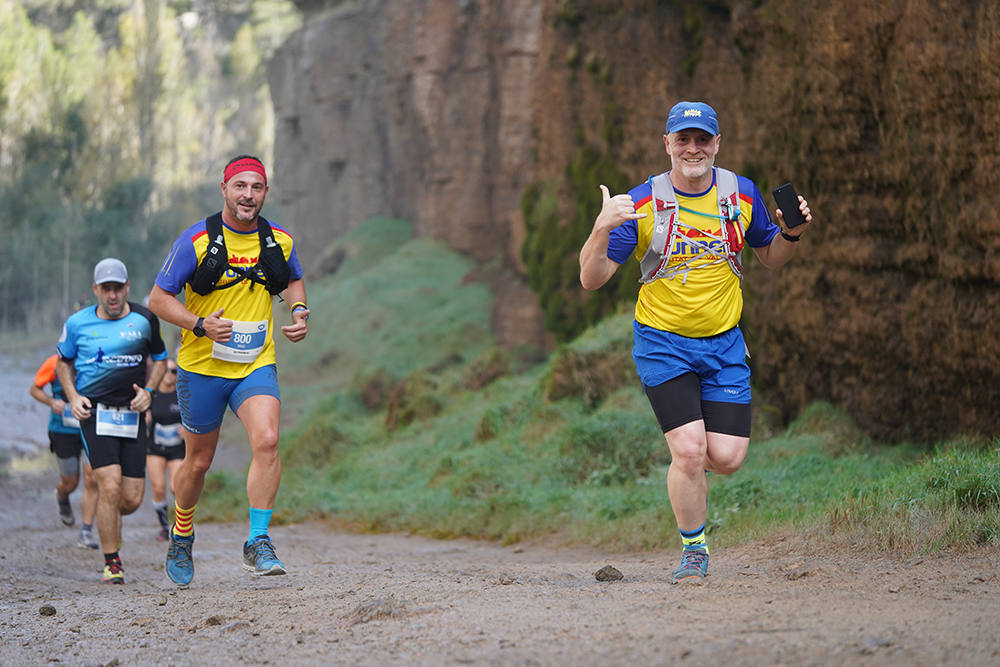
x,y
270,261
667,230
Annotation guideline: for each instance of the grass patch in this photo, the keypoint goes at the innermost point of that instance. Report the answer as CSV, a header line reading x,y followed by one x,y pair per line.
x,y
409,418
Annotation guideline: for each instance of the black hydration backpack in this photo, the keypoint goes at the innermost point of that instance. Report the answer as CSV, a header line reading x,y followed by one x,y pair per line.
x,y
271,260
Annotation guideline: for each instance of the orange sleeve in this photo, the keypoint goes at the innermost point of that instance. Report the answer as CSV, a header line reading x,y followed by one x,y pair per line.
x,y
47,372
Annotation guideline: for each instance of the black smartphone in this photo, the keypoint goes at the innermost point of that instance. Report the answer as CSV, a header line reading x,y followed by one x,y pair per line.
x,y
788,201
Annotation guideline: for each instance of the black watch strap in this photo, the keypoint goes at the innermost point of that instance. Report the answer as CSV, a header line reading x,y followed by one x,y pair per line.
x,y
790,238
198,330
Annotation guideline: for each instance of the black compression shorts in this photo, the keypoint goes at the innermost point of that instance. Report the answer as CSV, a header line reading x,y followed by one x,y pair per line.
x,y
678,401
106,450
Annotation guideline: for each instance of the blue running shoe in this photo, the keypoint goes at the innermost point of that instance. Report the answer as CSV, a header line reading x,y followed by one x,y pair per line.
x,y
259,557
180,567
694,565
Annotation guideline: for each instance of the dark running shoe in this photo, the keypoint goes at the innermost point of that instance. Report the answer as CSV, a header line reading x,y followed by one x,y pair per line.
x,y
180,566
164,534
259,557
113,573
694,565
65,510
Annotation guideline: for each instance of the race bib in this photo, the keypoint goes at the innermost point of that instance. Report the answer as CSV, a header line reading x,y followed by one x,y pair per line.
x,y
167,435
68,419
246,344
119,422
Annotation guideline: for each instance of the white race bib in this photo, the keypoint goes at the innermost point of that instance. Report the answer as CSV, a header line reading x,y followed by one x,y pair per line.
x,y
119,422
245,345
167,435
68,419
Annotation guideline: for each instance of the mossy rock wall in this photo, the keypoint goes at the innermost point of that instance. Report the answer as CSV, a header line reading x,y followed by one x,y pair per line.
x,y
885,116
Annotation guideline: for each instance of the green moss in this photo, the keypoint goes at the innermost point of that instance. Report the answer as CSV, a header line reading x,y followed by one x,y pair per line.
x,y
555,233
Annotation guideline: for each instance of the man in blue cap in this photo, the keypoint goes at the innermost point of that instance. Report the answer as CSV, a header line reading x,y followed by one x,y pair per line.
x,y
687,228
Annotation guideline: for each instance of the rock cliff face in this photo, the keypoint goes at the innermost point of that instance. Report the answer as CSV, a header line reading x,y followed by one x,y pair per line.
x,y
416,110
885,115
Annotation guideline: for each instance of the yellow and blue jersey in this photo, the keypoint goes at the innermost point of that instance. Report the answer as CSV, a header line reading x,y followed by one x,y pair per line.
x,y
708,299
241,300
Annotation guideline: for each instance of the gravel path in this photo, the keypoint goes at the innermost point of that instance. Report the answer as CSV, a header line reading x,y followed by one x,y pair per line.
x,y
397,599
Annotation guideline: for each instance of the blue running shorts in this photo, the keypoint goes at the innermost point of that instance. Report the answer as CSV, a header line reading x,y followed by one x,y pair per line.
x,y
719,361
202,399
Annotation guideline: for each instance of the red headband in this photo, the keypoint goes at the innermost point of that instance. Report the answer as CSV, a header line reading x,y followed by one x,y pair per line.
x,y
246,164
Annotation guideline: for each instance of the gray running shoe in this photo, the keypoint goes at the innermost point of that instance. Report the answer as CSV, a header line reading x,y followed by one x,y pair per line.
x,y
259,557
65,510
694,565
87,540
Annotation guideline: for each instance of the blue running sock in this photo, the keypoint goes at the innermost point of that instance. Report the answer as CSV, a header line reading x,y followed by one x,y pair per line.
x,y
259,522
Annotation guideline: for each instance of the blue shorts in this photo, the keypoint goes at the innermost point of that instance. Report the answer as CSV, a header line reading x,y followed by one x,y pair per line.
x,y
202,399
719,361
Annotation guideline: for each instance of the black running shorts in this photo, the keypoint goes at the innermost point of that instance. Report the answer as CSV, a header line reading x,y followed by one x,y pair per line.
x,y
678,401
169,453
65,445
106,450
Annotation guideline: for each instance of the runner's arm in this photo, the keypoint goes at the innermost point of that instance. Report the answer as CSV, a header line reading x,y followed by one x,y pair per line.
x,y
79,404
295,295
52,402
168,307
780,250
144,399
596,268
156,374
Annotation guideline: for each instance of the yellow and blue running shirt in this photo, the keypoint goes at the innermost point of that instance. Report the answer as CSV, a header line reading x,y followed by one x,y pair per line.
x,y
710,301
244,302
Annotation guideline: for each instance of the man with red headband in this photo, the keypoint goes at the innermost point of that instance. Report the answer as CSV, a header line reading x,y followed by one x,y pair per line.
x,y
230,266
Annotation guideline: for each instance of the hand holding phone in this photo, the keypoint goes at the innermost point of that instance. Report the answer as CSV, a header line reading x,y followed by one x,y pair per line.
x,y
788,201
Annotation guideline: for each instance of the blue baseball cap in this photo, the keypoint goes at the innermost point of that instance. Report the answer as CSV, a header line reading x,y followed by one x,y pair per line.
x,y
687,115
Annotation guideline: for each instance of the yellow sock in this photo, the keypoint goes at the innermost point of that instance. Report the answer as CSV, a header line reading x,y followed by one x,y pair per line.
x,y
183,521
694,538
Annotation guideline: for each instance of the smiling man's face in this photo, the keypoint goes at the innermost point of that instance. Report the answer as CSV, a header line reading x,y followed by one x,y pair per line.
x,y
692,154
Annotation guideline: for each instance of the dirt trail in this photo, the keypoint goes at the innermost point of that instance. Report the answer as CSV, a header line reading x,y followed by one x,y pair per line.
x,y
395,599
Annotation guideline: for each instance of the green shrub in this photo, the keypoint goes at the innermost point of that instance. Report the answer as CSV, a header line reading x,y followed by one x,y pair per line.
x,y
590,375
961,477
491,365
375,387
612,447
555,232
411,400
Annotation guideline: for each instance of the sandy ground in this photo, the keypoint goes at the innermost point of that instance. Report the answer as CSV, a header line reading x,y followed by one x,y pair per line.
x,y
397,599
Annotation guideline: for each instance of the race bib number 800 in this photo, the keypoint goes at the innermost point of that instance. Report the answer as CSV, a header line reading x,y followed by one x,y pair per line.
x,y
246,344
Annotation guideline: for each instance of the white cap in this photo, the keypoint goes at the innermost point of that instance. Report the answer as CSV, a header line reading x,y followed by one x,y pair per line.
x,y
110,270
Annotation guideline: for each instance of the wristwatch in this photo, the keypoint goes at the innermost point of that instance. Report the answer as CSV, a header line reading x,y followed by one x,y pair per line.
x,y
197,329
